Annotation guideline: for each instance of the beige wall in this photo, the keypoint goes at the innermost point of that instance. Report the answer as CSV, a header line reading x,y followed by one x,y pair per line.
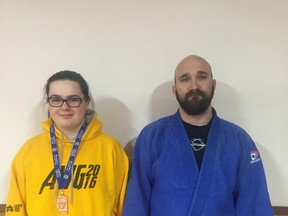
x,y
128,49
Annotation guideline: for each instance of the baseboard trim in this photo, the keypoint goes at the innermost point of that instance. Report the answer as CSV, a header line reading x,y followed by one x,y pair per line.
x,y
2,208
278,210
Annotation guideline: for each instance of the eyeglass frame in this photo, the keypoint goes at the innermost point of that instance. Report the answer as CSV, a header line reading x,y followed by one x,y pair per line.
x,y
65,100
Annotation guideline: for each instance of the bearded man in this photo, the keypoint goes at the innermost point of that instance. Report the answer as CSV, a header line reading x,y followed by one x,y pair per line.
x,y
194,163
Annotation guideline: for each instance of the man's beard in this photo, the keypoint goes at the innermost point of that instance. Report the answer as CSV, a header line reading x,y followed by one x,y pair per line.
x,y
195,102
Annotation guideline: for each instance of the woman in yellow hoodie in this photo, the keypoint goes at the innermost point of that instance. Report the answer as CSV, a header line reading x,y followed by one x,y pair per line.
x,y
72,167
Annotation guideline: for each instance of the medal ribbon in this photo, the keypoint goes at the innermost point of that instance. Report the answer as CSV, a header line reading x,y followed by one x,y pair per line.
x,y
62,181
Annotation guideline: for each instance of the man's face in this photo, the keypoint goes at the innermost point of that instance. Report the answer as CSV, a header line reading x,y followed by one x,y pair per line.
x,y
194,86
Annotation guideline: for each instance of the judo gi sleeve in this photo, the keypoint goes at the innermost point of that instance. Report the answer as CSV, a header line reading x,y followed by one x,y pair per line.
x,y
251,194
140,183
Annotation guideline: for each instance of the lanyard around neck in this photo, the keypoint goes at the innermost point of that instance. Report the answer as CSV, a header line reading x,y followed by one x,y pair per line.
x,y
62,180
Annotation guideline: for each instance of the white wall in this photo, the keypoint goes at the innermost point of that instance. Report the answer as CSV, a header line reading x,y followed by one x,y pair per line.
x,y
128,49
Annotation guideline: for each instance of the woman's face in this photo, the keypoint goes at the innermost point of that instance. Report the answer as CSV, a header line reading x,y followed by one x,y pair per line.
x,y
68,119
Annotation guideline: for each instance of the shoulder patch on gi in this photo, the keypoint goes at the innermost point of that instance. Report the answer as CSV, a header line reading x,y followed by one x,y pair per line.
x,y
255,156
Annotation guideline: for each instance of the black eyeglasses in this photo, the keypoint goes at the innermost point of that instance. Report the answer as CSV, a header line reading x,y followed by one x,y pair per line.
x,y
71,102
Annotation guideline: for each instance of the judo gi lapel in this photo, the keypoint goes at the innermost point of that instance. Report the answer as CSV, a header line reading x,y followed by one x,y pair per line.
x,y
204,178
186,152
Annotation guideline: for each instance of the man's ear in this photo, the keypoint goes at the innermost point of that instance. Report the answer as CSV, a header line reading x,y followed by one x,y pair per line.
x,y
214,83
174,89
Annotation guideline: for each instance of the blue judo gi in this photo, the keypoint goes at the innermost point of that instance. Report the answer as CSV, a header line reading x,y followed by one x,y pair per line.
x,y
165,179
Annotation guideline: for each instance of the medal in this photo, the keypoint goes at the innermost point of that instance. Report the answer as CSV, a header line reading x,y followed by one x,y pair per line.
x,y
62,203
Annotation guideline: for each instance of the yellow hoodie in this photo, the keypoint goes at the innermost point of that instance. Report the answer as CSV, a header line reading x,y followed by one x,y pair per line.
x,y
96,188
